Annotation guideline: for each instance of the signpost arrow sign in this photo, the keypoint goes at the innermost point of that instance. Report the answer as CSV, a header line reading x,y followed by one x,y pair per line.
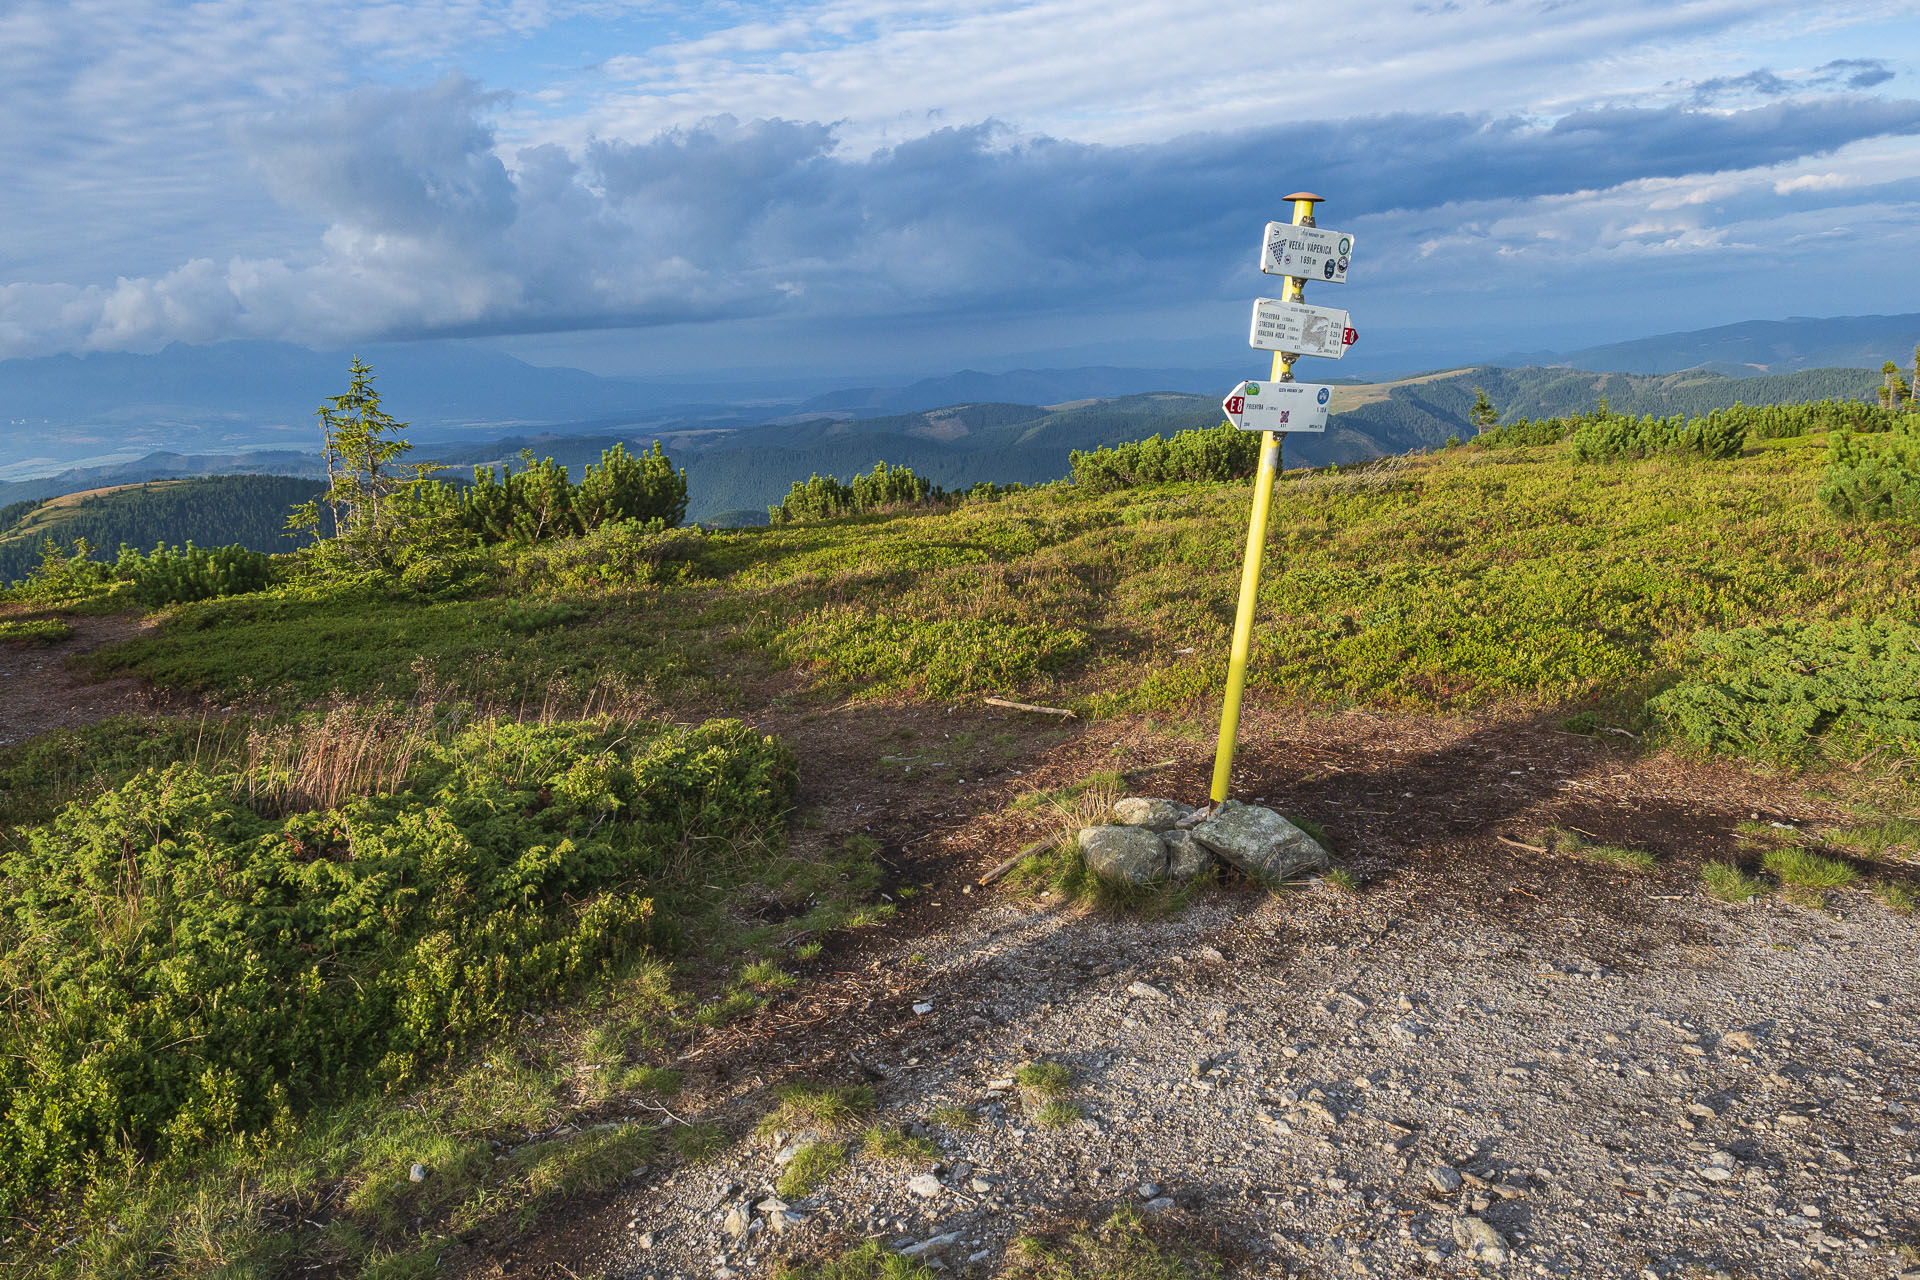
x,y
1307,252
1278,406
1299,328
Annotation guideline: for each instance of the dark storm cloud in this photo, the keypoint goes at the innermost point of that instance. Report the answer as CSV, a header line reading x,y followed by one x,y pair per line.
x,y
432,232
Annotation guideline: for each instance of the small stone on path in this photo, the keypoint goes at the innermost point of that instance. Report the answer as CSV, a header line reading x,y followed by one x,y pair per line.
x,y
1480,1240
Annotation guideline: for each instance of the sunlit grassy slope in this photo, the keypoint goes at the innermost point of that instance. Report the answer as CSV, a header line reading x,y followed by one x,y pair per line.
x,y
1449,580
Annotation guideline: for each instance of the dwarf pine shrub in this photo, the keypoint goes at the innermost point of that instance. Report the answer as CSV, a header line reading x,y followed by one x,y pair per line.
x,y
179,968
822,497
1877,477
1784,692
1209,453
165,575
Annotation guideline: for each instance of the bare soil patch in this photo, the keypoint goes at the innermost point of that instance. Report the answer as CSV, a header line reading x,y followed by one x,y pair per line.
x,y
40,692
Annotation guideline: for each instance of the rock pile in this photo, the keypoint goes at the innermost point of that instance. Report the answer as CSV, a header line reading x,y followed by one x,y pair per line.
x,y
1153,840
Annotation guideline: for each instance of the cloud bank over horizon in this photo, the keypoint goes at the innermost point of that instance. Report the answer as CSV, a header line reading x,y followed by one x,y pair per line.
x,y
470,175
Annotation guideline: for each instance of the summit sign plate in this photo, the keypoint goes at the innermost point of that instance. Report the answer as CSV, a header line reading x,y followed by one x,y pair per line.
x,y
1307,252
1300,329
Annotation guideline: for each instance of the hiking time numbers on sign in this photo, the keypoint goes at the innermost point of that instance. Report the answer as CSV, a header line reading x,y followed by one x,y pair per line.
x,y
1301,329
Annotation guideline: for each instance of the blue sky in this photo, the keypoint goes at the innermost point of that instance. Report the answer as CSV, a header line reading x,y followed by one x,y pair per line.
x,y
901,187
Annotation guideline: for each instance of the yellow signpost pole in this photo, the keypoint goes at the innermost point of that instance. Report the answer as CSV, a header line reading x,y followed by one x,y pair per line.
x,y
1293,291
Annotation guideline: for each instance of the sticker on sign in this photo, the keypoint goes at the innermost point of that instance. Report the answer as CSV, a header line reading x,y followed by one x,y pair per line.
x,y
1307,252
1278,406
1300,329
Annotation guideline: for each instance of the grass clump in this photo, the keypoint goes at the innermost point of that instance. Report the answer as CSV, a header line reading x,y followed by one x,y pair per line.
x,y
1044,1079
1877,839
1729,883
952,1117
1807,875
868,1260
889,1145
812,1105
1896,895
810,1167
1058,1114
1619,857
695,1142
1123,1247
1343,881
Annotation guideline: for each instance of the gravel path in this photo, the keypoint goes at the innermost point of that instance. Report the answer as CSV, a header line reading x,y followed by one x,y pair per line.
x,y
1322,1086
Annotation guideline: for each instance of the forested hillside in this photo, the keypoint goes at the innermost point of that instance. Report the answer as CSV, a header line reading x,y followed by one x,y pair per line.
x,y
735,473
963,445
250,511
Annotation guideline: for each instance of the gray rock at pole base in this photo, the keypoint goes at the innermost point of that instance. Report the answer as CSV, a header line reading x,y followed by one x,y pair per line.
x,y
1261,843
1186,857
1128,855
1153,814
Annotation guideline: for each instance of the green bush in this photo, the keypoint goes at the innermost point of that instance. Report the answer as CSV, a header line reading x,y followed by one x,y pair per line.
x,y
1527,431
1875,478
181,968
179,575
823,497
1785,692
165,575
1212,453
1606,436
540,502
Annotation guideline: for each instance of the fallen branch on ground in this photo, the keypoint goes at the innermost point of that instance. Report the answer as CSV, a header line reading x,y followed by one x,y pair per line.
x,y
1028,706
1015,860
1530,848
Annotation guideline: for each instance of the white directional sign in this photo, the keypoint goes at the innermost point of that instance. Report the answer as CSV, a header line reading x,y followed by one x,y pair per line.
x,y
1307,252
1278,406
1300,329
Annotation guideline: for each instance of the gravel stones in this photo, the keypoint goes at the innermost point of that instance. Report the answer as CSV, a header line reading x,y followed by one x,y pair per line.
x,y
1151,813
1443,1179
1126,855
1260,842
924,1185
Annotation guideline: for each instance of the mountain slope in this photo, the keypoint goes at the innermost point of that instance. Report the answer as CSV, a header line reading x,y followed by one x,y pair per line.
x,y
214,511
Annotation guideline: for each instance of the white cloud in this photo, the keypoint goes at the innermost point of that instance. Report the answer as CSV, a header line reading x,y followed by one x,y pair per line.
x,y
1813,182
312,170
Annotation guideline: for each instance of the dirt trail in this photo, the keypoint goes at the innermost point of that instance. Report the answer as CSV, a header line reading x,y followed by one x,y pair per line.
x,y
1627,1077
38,692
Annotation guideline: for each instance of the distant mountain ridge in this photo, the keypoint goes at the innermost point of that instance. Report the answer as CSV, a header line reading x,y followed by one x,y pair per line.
x,y
62,412
1763,346
738,472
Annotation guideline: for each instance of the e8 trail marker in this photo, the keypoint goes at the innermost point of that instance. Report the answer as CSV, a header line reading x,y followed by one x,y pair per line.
x,y
1289,328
